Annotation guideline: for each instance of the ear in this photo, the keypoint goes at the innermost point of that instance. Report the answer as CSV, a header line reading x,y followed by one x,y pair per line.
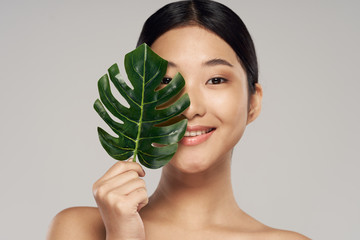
x,y
255,104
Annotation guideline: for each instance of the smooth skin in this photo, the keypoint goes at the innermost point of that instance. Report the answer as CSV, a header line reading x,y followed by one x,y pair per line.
x,y
194,198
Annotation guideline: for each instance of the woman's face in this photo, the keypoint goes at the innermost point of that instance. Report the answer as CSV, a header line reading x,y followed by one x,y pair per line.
x,y
217,87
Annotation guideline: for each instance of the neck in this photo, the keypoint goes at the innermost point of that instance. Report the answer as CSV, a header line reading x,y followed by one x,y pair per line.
x,y
200,197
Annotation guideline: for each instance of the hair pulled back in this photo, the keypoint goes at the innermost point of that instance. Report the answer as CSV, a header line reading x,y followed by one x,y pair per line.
x,y
213,16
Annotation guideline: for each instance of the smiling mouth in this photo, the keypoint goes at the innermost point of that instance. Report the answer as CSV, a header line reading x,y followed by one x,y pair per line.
x,y
193,138
197,133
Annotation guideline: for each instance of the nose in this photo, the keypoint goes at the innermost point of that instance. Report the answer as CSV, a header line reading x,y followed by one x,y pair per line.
x,y
197,106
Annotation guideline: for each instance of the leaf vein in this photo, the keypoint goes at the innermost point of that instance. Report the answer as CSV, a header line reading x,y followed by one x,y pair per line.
x,y
143,159
112,104
161,119
137,104
159,136
156,74
118,155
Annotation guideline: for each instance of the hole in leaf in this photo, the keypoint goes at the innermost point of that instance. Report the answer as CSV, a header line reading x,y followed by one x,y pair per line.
x,y
157,145
171,121
117,94
171,100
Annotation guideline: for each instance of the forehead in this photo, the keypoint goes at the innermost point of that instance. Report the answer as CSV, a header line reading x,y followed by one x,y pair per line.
x,y
180,45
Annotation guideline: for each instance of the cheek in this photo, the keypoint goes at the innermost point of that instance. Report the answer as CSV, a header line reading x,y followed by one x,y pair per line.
x,y
230,108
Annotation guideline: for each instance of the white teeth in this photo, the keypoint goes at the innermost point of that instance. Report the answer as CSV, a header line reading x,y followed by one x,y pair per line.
x,y
196,133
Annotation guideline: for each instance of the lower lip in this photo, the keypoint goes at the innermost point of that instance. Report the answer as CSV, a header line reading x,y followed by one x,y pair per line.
x,y
191,141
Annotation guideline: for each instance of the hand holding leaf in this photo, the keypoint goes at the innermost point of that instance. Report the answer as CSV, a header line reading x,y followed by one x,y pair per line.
x,y
136,134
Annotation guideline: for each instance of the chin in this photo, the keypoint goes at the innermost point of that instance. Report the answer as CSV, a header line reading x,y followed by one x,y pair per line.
x,y
191,165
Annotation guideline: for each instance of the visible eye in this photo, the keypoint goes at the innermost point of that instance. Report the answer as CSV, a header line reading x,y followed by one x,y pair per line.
x,y
166,80
216,80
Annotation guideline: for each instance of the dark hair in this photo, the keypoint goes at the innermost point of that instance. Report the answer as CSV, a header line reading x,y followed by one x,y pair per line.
x,y
213,16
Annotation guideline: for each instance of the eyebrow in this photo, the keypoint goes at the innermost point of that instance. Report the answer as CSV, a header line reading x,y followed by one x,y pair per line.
x,y
212,62
217,61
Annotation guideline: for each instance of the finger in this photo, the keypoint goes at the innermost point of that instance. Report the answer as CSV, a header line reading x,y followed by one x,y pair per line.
x,y
117,181
121,167
140,197
129,186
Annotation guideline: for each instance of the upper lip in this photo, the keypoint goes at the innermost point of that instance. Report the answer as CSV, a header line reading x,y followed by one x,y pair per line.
x,y
197,128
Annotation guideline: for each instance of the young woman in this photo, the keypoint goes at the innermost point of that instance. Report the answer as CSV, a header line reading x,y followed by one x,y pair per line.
x,y
210,46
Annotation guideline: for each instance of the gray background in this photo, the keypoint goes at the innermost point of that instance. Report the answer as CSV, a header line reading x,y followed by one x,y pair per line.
x,y
295,168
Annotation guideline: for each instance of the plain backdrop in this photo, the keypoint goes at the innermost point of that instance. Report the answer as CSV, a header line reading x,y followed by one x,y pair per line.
x,y
296,167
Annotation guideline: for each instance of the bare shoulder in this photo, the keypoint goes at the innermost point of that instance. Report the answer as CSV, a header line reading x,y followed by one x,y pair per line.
x,y
77,223
254,229
279,234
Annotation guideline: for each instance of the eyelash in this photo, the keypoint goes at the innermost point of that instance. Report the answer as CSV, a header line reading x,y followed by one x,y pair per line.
x,y
166,80
222,80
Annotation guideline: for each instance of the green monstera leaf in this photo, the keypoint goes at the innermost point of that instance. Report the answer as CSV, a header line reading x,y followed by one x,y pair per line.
x,y
140,124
